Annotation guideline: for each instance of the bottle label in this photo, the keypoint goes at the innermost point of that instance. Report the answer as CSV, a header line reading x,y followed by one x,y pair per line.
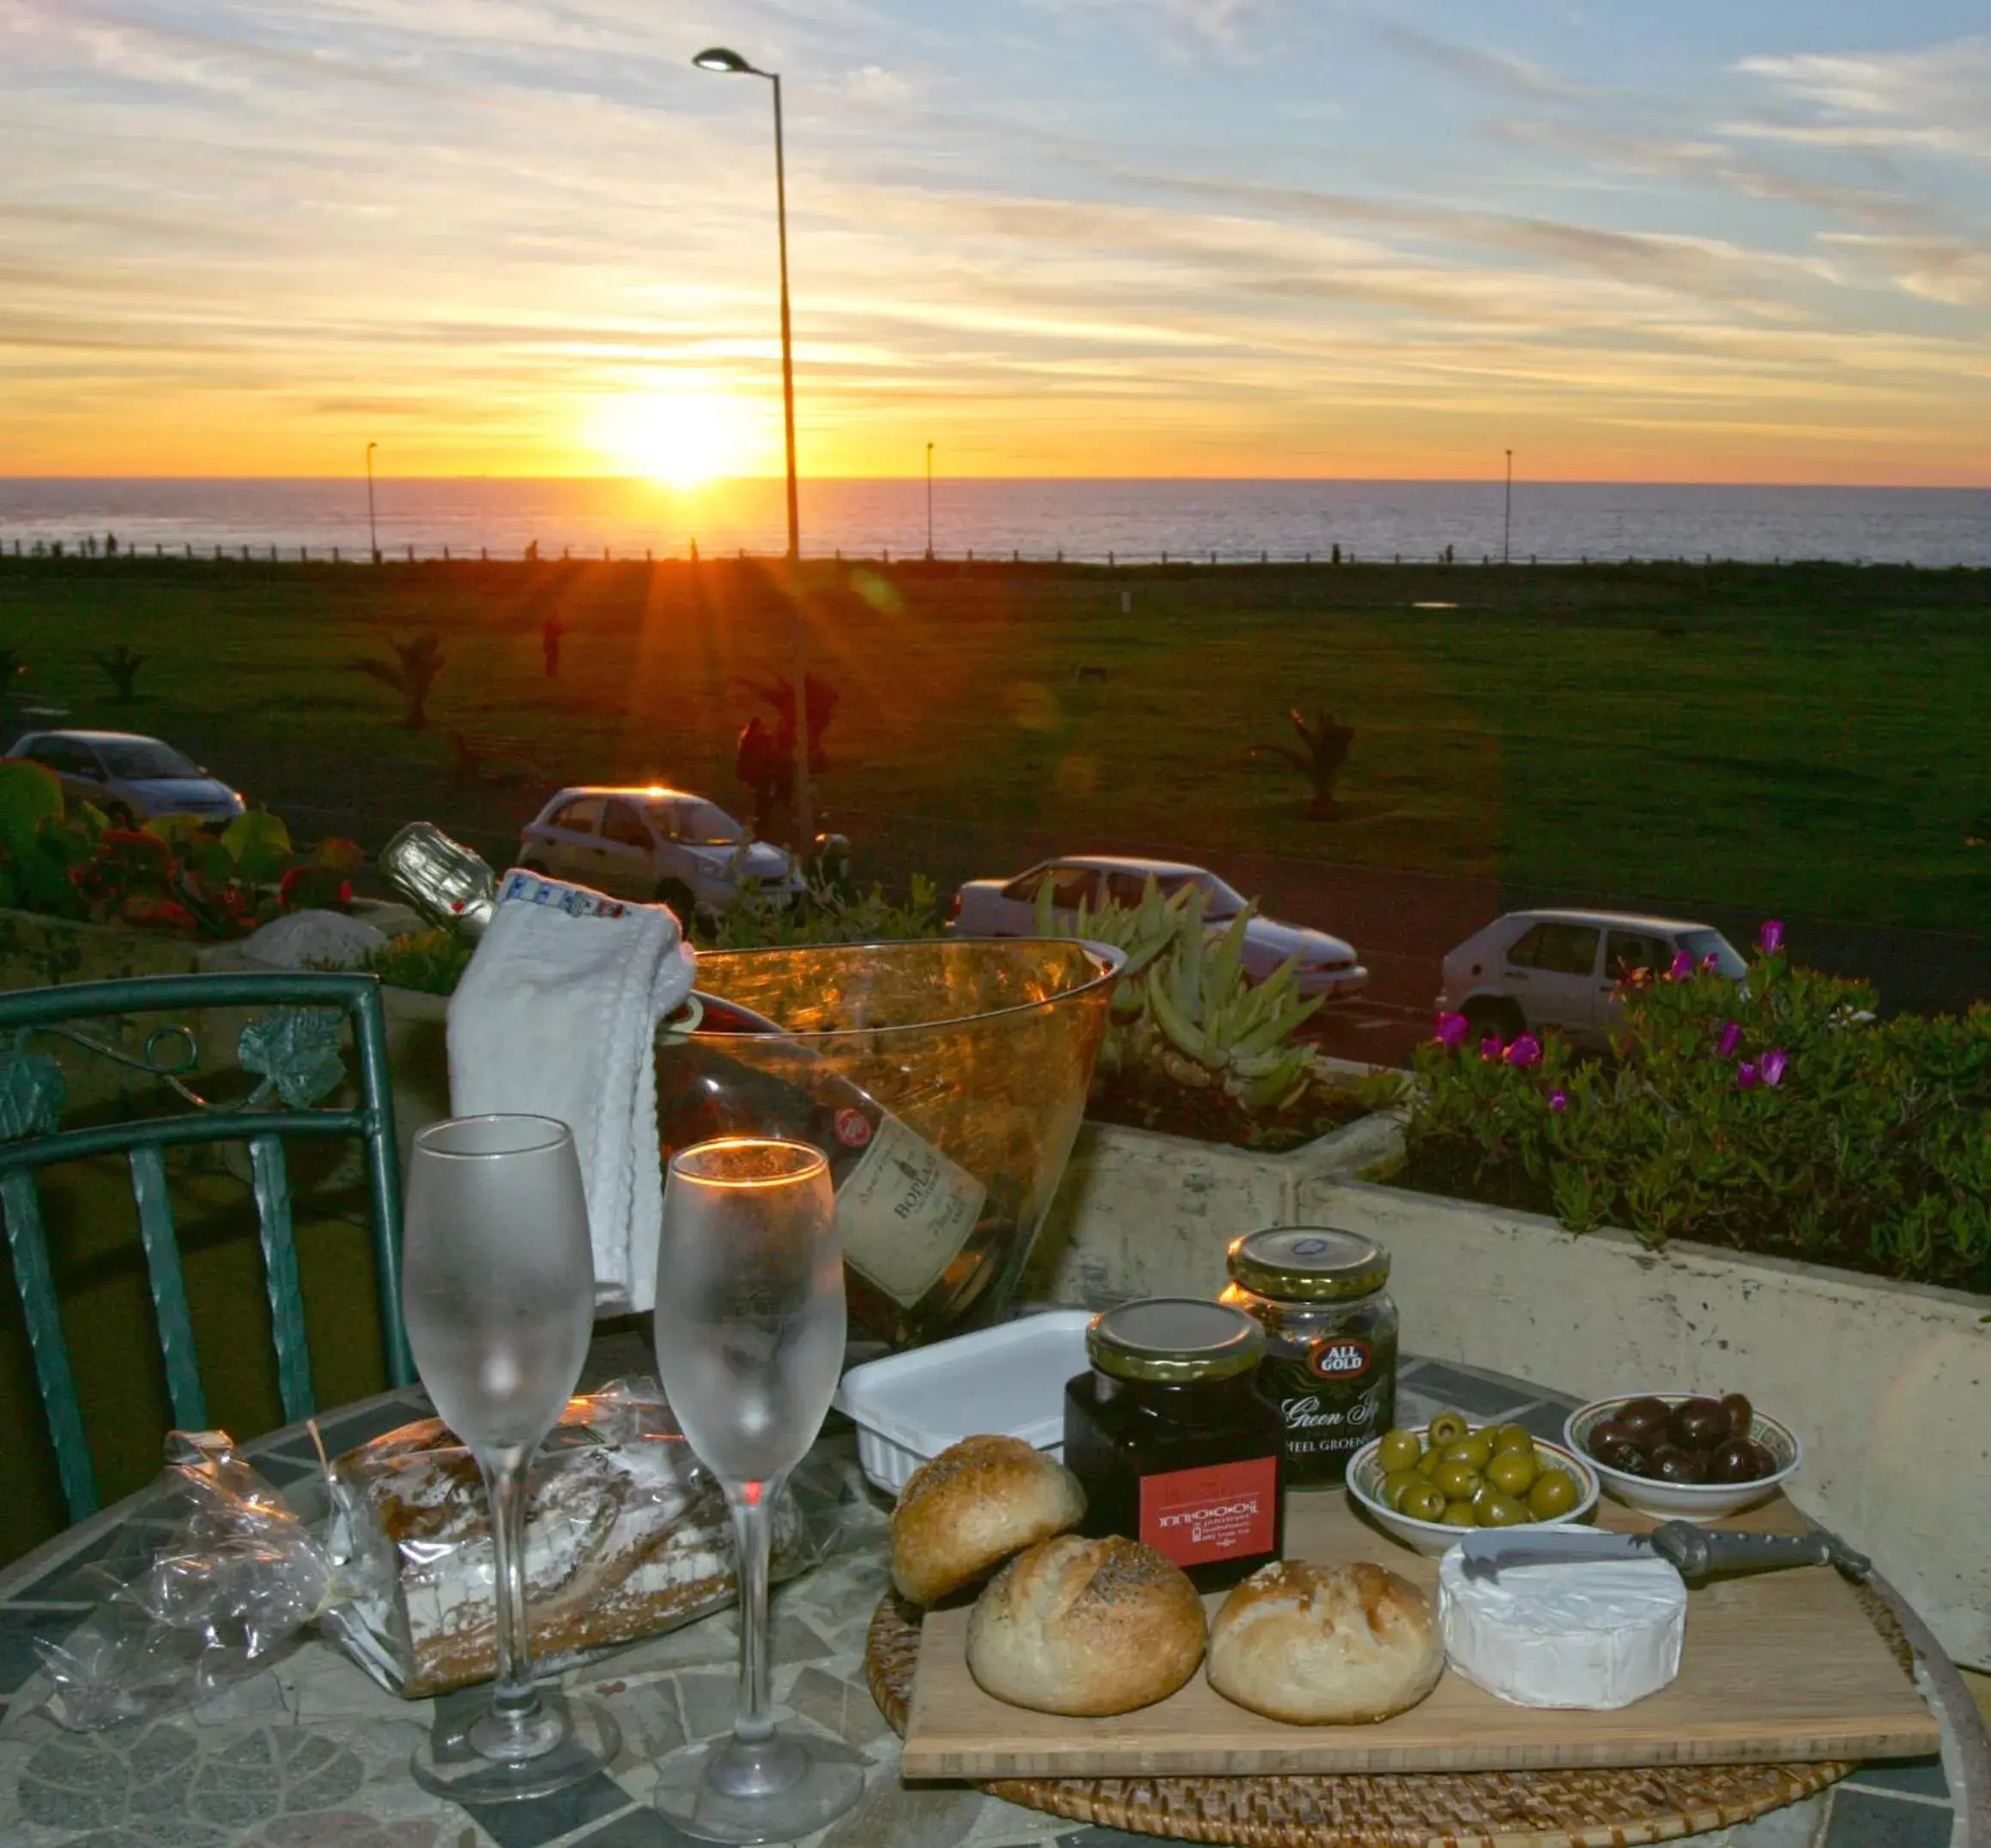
x,y
1226,1511
905,1210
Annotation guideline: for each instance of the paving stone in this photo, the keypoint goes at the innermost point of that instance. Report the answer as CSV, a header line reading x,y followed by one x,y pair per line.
x,y
1795,1826
652,1722
640,1827
708,1700
546,1819
1864,1817
1468,1392
1919,1777
838,1707
893,1815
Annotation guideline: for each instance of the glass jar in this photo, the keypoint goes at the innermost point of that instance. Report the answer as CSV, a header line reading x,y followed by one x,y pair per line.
x,y
1173,1446
1330,1359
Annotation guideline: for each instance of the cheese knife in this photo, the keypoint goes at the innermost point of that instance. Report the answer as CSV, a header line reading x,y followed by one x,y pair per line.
x,y
1698,1554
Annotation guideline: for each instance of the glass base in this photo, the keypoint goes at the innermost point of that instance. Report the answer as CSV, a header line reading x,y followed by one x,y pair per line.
x,y
777,1790
478,1758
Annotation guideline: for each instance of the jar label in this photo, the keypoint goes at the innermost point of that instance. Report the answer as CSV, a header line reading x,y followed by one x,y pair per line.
x,y
1226,1511
1338,1360
905,1210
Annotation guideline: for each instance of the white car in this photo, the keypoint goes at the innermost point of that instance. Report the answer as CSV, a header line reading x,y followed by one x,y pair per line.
x,y
658,846
1007,907
1562,968
131,778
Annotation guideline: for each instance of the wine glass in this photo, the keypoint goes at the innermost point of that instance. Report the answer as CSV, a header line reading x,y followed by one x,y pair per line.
x,y
749,1344
498,1292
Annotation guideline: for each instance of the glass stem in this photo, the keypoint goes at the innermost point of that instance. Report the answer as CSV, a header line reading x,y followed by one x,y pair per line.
x,y
514,1698
753,1504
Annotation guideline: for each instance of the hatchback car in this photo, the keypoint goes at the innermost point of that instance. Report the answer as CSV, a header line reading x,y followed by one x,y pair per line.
x,y
1562,968
659,846
1007,907
131,778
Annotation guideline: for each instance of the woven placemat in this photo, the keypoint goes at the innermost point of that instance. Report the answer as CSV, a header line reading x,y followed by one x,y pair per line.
x,y
1561,1808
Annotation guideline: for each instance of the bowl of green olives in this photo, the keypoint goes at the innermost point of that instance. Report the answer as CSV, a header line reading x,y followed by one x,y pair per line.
x,y
1683,1454
1423,1487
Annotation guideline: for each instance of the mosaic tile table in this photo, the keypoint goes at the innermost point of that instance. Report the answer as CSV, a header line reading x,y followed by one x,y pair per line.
x,y
310,1754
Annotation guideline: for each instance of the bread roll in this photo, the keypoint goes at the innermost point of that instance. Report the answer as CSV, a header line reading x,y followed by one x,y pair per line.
x,y
1086,1627
1325,1645
968,1508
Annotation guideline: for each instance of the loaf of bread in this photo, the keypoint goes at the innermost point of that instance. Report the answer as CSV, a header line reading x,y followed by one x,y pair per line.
x,y
1090,1626
968,1509
1325,1645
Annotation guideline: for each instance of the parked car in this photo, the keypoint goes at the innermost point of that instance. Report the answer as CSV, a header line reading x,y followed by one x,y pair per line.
x,y
131,778
1007,907
1531,970
655,844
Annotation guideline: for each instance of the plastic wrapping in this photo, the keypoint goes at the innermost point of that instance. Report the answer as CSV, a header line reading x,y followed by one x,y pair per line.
x,y
627,1535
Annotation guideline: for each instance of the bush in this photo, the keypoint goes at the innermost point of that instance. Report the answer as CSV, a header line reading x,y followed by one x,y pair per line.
x,y
829,912
1778,1116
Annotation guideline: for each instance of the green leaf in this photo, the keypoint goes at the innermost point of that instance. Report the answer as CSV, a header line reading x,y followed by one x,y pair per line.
x,y
259,845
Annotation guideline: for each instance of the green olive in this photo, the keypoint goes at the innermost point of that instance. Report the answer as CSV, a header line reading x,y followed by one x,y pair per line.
x,y
1423,1502
1475,1450
1511,1438
1399,1450
1497,1510
1458,1481
1555,1493
1448,1428
1513,1472
1390,1494
1427,1463
1458,1514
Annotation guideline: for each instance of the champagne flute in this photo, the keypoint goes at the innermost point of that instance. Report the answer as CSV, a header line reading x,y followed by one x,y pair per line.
x,y
498,1292
749,1345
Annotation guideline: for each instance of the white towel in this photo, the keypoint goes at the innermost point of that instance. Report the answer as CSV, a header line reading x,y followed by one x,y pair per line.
x,y
556,1016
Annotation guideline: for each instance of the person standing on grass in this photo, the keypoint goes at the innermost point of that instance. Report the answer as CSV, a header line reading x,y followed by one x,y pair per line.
x,y
550,631
755,765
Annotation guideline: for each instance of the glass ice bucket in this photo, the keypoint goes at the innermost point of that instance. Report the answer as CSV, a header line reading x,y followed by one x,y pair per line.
x,y
944,1080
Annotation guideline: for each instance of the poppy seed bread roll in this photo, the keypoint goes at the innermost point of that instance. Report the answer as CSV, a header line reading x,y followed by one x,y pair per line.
x,y
968,1509
1087,1627
1319,1645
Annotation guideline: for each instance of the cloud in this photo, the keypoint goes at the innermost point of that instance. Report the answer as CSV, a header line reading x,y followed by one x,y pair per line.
x,y
1932,97
1499,70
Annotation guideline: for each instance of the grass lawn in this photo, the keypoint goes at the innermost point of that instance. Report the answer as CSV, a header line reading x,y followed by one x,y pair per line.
x,y
1809,739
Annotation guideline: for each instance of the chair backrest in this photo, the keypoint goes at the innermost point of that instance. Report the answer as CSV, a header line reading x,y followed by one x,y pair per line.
x,y
294,1047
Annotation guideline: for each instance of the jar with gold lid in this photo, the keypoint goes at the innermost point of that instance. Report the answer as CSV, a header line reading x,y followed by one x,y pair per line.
x,y
1170,1442
1331,1328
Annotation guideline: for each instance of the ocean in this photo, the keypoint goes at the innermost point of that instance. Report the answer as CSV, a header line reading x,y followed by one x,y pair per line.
x,y
1130,521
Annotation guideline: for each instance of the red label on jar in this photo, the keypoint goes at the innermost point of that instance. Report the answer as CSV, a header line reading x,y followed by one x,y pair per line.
x,y
1223,1512
1338,1360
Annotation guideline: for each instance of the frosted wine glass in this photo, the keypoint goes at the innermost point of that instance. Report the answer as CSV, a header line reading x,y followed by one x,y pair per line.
x,y
749,1345
498,1292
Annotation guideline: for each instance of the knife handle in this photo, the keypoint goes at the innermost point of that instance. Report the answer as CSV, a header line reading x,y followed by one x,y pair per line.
x,y
1701,1553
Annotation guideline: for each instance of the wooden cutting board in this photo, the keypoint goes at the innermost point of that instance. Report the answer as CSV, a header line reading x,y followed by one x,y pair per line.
x,y
1785,1666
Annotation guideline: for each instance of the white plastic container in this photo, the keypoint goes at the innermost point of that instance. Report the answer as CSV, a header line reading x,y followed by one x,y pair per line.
x,y
1009,1379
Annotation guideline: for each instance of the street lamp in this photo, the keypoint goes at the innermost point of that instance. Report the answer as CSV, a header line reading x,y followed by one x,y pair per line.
x,y
372,532
730,63
929,503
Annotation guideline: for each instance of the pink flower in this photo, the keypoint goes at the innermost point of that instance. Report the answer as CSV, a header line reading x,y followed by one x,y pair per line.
x,y
1769,938
1489,1048
1453,1029
1746,1076
1525,1050
1731,1038
1559,1100
1683,967
1774,1063
1710,963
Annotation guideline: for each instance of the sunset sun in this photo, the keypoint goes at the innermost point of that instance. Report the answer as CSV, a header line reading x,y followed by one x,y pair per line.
x,y
682,439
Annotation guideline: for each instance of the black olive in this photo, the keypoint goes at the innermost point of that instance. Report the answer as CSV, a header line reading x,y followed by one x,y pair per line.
x,y
1670,1463
1644,1415
1741,1414
1701,1425
1736,1462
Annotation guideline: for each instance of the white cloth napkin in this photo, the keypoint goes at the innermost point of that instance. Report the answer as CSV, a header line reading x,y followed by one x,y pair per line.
x,y
556,1016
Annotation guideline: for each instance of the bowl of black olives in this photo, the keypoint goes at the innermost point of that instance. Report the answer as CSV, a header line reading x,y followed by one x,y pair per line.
x,y
1684,1455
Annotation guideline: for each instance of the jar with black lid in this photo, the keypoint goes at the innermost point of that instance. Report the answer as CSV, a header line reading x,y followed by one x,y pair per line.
x,y
1330,1361
1171,1444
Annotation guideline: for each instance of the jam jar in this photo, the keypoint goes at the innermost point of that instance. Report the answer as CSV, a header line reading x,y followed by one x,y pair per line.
x,y
1330,1357
1173,1446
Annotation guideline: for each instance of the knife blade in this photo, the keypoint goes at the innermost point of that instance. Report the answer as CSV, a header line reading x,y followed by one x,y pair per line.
x,y
1698,1554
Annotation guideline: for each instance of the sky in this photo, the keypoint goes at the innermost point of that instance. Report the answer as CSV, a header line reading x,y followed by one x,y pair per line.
x,y
1749,241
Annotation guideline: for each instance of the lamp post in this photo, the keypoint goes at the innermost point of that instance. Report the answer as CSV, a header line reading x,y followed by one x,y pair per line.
x,y
719,58
1507,520
929,503
372,532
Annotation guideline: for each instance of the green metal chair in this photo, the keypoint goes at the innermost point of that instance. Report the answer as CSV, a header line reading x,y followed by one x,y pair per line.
x,y
294,1048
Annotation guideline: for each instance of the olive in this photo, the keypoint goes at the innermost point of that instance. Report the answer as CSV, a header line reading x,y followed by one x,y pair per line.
x,y
1644,1416
1458,1514
1423,1502
1497,1510
1513,1472
1700,1425
1391,1493
1448,1428
1476,1450
1670,1463
1555,1493
1458,1481
1399,1450
1741,1415
1511,1438
1428,1461
1740,1460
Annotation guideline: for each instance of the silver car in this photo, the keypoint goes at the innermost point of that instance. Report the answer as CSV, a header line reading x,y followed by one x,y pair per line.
x,y
658,846
131,778
1007,907
1562,969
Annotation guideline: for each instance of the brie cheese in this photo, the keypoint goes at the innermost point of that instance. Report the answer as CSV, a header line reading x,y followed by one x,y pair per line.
x,y
1599,1633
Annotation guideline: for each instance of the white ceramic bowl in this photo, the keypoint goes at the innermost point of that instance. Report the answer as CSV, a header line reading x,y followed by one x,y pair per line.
x,y
1434,1537
1689,1501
